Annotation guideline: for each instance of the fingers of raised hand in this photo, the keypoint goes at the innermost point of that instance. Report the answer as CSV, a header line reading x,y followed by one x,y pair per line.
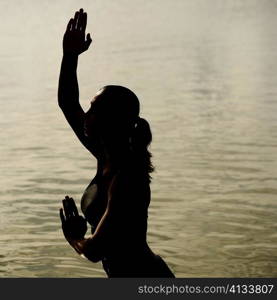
x,y
79,22
69,25
83,22
88,41
75,20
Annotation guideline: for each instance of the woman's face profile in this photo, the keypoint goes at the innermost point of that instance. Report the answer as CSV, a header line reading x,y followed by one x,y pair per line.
x,y
94,117
91,120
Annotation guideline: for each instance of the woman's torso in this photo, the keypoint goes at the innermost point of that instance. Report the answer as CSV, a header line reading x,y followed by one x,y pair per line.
x,y
130,211
129,254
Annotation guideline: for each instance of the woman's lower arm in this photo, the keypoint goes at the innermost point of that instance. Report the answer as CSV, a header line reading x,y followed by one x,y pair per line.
x,y
88,248
68,92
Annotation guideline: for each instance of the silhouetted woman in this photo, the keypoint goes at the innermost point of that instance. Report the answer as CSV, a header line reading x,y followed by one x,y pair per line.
x,y
116,201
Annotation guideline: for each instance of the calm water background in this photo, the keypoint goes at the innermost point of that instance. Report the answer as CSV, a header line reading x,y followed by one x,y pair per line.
x,y
206,74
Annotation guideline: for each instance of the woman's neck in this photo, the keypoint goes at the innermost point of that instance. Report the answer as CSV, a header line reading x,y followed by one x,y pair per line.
x,y
114,161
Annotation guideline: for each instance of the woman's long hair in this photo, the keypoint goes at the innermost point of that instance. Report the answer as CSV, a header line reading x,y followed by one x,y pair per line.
x,y
140,140
122,108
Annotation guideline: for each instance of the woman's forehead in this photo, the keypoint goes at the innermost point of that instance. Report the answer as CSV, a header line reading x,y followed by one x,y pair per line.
x,y
97,95
99,92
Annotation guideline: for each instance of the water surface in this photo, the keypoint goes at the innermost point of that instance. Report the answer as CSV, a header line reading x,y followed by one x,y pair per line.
x,y
205,72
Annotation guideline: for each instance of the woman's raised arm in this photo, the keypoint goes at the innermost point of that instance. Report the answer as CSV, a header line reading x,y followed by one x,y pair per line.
x,y
75,42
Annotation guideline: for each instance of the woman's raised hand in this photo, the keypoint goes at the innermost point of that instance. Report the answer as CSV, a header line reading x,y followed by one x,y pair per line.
x,y
75,40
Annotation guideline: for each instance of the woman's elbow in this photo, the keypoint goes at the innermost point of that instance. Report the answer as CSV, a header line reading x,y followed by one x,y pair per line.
x,y
92,252
92,256
61,102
